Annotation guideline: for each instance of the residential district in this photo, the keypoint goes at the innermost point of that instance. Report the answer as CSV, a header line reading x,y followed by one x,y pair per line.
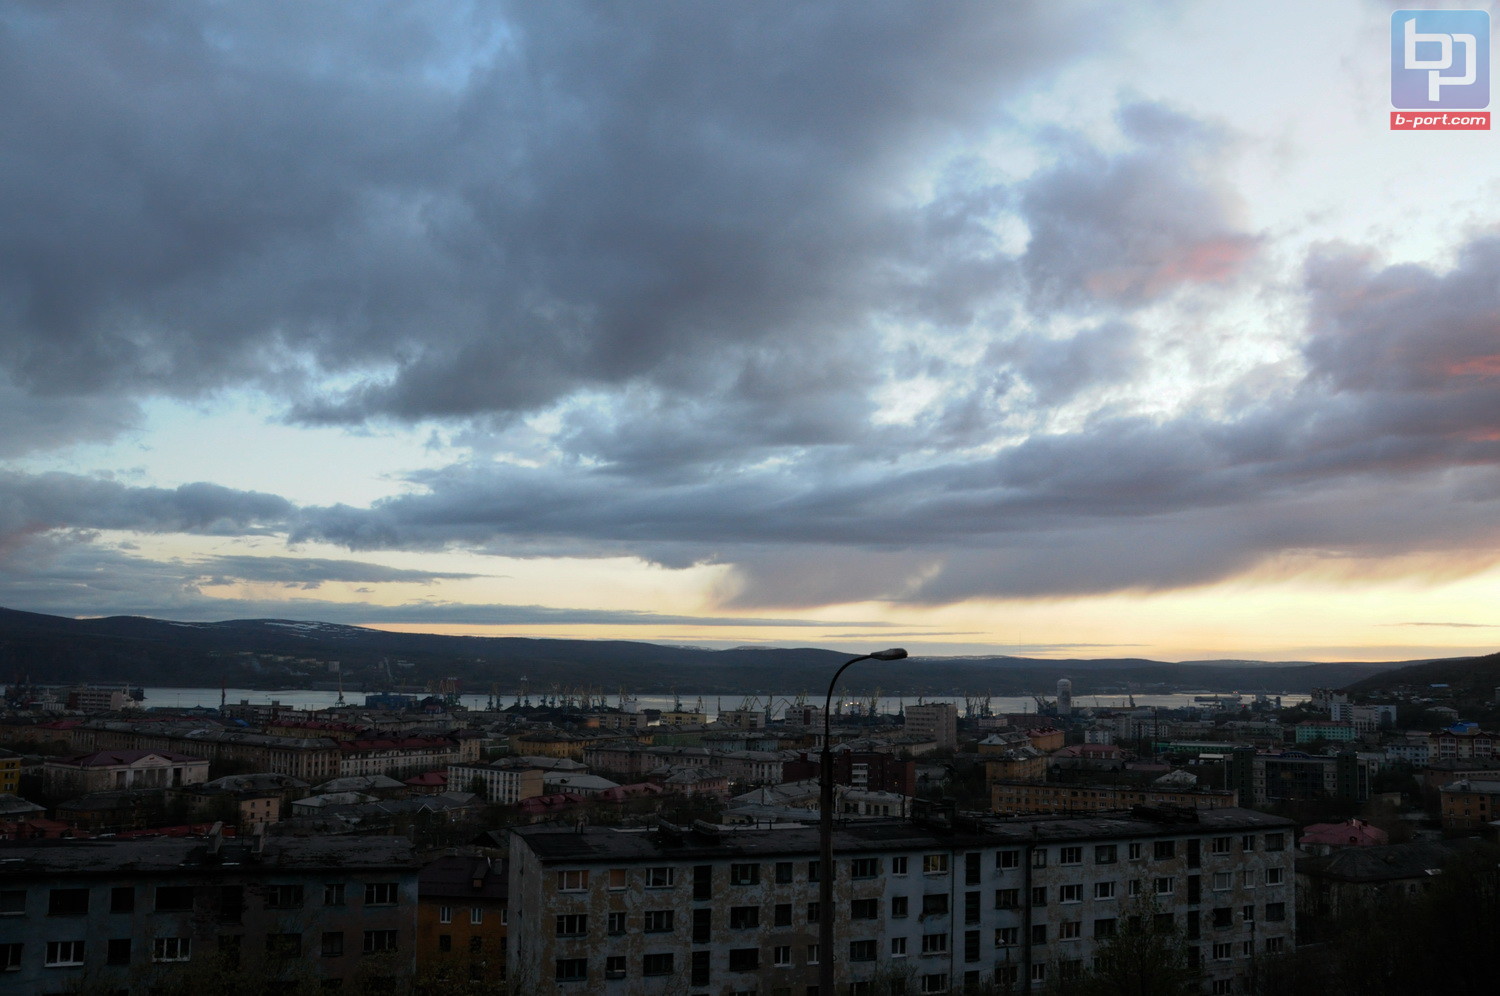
x,y
570,846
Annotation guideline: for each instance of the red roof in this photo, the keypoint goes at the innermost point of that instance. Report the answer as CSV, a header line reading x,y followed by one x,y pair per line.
x,y
428,778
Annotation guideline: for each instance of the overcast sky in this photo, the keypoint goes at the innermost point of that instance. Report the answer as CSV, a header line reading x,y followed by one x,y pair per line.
x,y
1055,328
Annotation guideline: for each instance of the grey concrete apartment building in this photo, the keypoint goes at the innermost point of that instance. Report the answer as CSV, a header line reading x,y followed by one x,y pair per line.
x,y
920,907
127,916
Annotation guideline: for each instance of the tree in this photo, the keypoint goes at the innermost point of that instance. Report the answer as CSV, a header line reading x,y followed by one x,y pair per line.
x,y
1147,956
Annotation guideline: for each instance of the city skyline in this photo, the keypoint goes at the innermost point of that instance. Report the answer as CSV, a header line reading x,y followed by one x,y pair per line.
x,y
1051,329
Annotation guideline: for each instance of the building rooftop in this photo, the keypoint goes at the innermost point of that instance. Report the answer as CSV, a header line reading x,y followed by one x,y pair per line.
x,y
111,758
1381,863
587,844
454,877
63,859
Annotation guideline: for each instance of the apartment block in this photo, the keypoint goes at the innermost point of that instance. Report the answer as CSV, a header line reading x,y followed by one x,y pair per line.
x,y
121,916
937,722
1023,797
506,782
937,905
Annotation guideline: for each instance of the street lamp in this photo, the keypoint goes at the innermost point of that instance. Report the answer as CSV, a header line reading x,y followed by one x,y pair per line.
x,y
825,829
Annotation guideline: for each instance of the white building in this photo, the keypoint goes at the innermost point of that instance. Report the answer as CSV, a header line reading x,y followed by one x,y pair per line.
x,y
941,907
937,721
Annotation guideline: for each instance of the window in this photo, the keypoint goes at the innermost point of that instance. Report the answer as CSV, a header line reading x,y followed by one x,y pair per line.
x,y
476,915
281,897
898,906
572,881
660,878
782,914
1273,876
971,907
617,881
61,954
934,864
1105,927
1007,937
703,883
971,868
1039,972
1134,888
1070,894
935,983
1275,841
744,917
1039,895
1219,845
1007,859
812,871
284,945
445,914
1247,842
67,902
1166,886
570,969
898,947
13,902
1070,931
1247,913
935,904
10,957
615,922
1221,987
445,943
383,894
1163,923
1223,918
1071,856
812,954
783,872
1135,852
1039,858
934,943
861,950
117,952
864,868
122,899
333,943
333,894
1104,890
614,967
813,912
744,959
657,964
781,956
744,874
379,940
701,968
864,909
1275,945
229,949
1007,899
1164,850
1275,912
1223,952
1106,854
1223,880
898,865
577,924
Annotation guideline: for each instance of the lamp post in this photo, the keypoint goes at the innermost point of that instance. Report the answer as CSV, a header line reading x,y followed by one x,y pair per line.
x,y
825,829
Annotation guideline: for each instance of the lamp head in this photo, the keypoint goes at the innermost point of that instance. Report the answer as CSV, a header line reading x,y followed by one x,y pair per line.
x,y
894,654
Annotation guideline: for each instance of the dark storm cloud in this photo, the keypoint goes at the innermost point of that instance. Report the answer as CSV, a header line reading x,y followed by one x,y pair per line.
x,y
468,210
1130,228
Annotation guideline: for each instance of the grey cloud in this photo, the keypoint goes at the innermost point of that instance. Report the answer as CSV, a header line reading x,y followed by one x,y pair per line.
x,y
1131,228
312,572
466,210
36,503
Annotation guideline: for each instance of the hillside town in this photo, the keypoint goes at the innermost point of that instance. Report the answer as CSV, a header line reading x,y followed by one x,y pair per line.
x,y
409,844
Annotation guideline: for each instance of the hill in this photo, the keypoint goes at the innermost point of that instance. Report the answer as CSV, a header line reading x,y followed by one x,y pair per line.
x,y
1468,678
274,653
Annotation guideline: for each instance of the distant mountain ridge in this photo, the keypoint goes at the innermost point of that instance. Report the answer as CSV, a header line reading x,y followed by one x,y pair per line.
x,y
270,653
